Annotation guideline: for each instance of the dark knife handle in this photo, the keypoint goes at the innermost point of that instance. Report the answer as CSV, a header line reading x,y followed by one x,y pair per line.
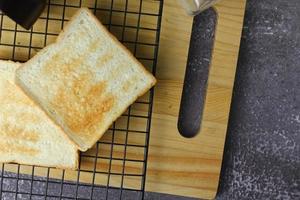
x,y
24,12
197,73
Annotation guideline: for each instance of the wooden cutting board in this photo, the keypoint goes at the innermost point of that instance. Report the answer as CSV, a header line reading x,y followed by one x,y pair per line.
x,y
188,167
191,167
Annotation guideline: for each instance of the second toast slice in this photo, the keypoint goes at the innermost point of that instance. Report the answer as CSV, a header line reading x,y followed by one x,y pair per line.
x,y
27,135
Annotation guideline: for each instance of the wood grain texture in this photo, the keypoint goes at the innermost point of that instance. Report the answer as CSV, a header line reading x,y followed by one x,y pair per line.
x,y
188,167
191,167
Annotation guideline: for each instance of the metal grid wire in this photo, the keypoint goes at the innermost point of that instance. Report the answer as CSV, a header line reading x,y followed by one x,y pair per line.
x,y
115,168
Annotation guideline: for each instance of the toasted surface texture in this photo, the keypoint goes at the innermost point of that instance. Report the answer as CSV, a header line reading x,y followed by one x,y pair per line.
x,y
85,80
27,134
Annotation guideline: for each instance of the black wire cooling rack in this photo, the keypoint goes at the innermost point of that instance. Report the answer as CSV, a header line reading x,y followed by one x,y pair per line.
x,y
115,168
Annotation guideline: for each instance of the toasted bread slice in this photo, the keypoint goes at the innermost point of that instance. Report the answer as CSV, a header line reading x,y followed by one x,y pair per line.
x,y
27,134
85,80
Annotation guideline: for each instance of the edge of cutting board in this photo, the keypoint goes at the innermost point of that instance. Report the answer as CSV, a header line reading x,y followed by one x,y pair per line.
x,y
191,167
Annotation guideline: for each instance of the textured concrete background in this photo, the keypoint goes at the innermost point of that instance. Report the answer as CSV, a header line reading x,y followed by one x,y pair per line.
x,y
262,153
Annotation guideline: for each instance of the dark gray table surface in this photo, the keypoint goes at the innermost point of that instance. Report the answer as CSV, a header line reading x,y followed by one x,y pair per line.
x,y
262,153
